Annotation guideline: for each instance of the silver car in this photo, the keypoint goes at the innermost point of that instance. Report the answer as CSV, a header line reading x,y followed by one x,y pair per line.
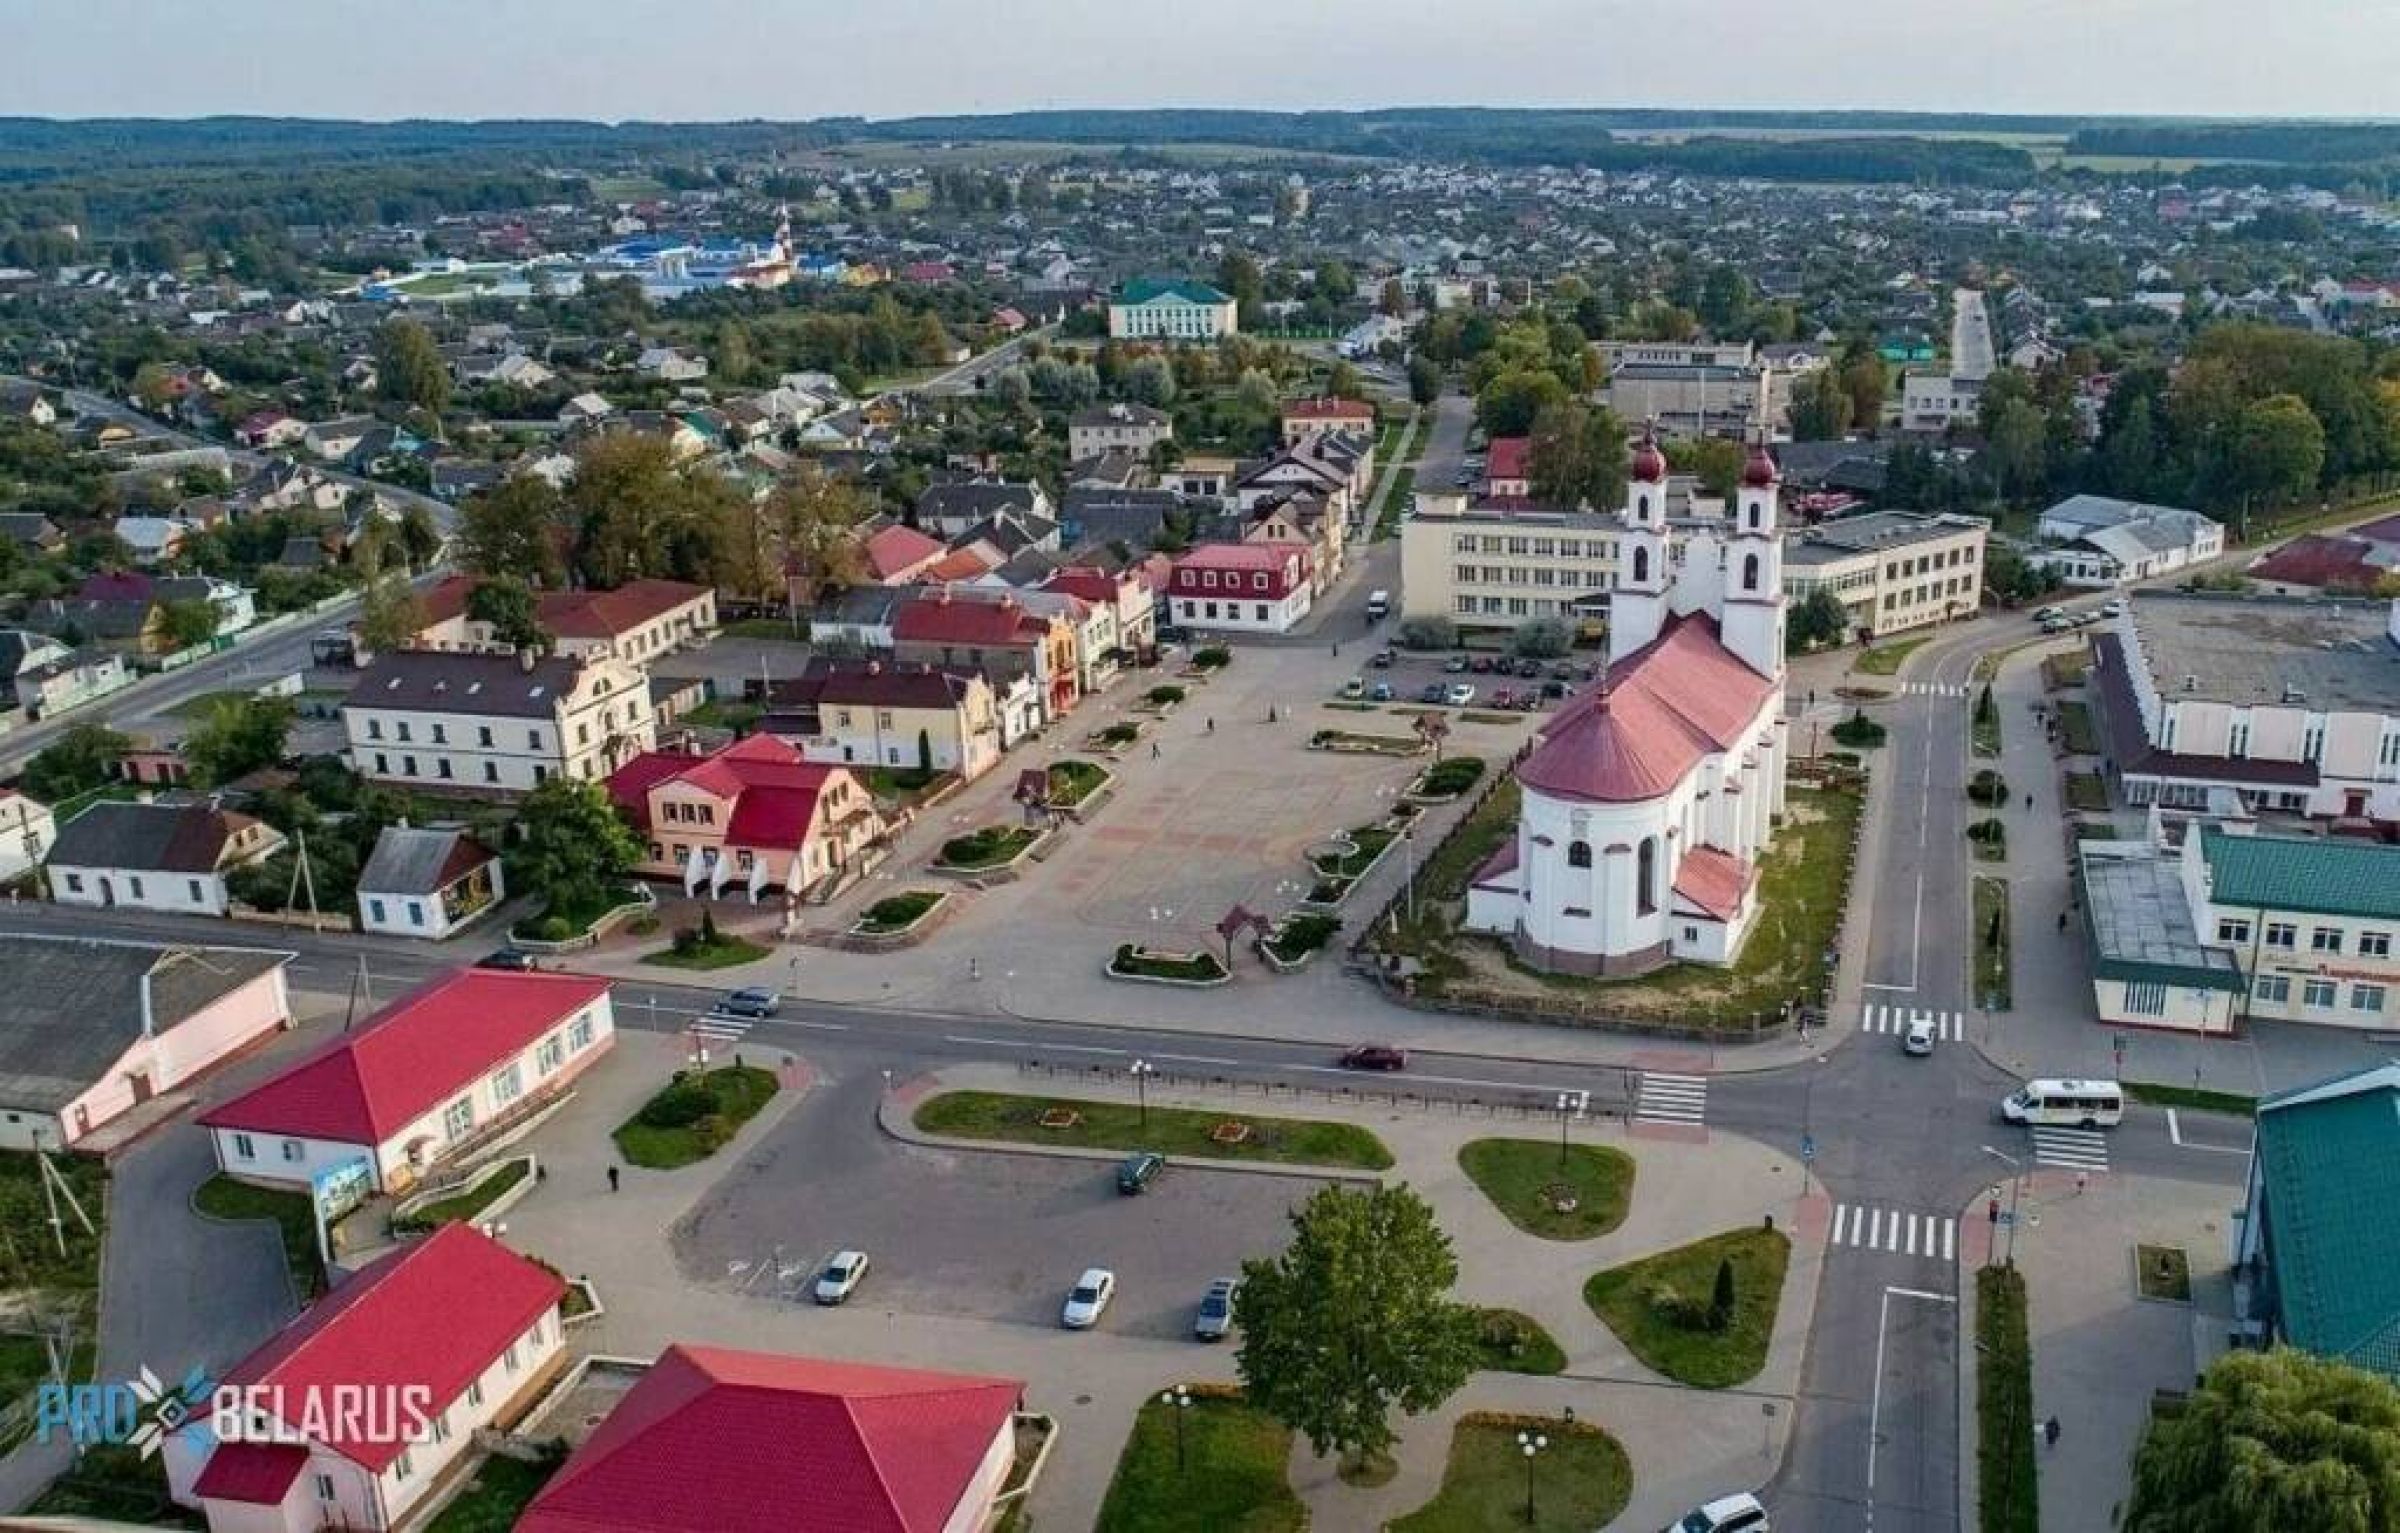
x,y
1215,1317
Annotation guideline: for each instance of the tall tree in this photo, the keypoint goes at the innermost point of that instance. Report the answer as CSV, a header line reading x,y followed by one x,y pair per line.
x,y
1713,460
409,368
1353,1319
1394,299
191,622
1424,379
639,513
514,528
572,845
1725,300
1817,619
2279,450
816,518
2272,1441
509,606
420,539
76,762
390,613
237,736
1865,380
1820,407
1577,456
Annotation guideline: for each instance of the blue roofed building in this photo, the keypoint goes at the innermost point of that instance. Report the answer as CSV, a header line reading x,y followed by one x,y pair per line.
x,y
2317,1247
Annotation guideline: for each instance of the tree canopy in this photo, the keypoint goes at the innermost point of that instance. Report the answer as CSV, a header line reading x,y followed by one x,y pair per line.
x,y
236,736
572,846
2273,1441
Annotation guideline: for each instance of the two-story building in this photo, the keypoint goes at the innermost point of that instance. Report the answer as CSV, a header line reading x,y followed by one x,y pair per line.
x,y
2310,920
953,627
437,1073
1164,309
879,713
753,816
363,1406
1304,418
1241,587
492,723
166,857
1119,427
635,622
1124,591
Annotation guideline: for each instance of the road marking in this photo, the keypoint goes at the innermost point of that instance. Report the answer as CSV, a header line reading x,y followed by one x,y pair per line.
x,y
1196,1059
822,1027
2077,1149
1875,1407
1933,689
1012,1043
2175,1133
1896,1232
1668,1098
1948,1026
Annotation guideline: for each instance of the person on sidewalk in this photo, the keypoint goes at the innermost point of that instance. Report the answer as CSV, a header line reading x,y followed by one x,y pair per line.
x,y
612,1178
2050,1431
1154,750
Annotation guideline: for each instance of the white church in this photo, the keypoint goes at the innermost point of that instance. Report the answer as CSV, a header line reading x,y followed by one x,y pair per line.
x,y
1648,800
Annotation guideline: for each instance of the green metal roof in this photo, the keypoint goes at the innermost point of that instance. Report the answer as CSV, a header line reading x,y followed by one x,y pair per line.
x,y
2331,877
2329,1160
1145,289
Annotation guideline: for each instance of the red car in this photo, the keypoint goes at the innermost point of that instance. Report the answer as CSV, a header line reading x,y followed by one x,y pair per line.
x,y
1375,1056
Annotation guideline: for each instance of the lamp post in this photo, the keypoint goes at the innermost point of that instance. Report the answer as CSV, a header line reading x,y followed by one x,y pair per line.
x,y
1177,1400
1141,1070
1530,1444
2016,1183
1569,1104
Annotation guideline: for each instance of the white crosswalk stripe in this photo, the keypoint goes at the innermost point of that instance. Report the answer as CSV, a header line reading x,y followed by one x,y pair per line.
x,y
2077,1149
1948,1026
1933,689
717,1029
1672,1098
1895,1231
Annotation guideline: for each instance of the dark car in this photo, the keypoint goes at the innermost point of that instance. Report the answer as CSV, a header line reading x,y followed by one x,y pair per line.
x,y
1381,660
1139,1170
1375,1056
1562,672
1529,668
1481,665
1554,690
753,1002
514,959
1431,692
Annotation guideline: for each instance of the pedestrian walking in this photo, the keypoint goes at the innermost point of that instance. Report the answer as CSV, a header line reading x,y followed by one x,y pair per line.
x,y
1212,726
2062,920
2083,1179
1270,713
612,1178
1154,750
2029,801
2050,1431
974,968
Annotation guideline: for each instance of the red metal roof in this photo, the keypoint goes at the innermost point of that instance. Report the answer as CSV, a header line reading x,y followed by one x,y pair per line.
x,y
436,1314
1329,409
1664,708
1509,457
1714,880
369,1083
576,614
2317,560
899,550
719,1441
256,1473
947,619
772,788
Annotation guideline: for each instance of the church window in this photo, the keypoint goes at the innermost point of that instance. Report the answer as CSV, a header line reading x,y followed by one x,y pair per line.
x,y
1641,564
1750,572
1579,854
1645,878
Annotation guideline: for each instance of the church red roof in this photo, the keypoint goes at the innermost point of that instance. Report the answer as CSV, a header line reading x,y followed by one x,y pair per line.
x,y
1714,880
1662,710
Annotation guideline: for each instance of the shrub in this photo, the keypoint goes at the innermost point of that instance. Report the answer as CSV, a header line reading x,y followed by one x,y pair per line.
x,y
1428,633
683,1103
710,1131
1667,1302
1988,832
1453,776
1858,731
1165,695
1544,638
708,928
1988,788
1720,1302
1214,657
1503,1333
553,929
1119,734
688,940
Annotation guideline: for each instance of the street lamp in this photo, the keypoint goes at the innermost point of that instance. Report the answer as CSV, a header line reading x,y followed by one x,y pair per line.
x,y
2016,1183
1177,1400
1530,1444
1569,1102
1141,1070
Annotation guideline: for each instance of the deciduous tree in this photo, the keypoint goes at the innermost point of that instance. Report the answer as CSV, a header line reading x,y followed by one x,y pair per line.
x,y
236,736
2272,1441
572,846
508,605
1577,456
409,368
516,529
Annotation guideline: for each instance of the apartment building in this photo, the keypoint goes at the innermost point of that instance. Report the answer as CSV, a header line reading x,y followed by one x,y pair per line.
x,y
494,723
1893,570
1495,567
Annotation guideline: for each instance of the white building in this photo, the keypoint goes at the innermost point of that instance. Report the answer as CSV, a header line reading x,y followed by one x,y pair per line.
x,y
1891,570
1648,800
494,723
2096,542
173,858
27,832
440,1071
1241,588
427,883
1151,309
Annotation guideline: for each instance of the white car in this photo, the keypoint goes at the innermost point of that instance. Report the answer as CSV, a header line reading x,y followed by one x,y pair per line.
x,y
844,1271
1459,694
1917,1037
1088,1298
1726,1514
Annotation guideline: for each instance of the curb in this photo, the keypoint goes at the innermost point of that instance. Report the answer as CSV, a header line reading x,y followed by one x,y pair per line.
x,y
899,1126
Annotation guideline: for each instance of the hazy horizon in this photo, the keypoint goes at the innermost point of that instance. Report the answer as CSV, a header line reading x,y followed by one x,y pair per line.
x,y
715,61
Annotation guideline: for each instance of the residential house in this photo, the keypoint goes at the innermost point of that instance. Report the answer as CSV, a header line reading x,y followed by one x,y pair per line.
x,y
1119,427
494,723
1172,310
168,857
1340,468
1124,591
64,679
27,832
706,1438
2096,541
879,713
755,813
151,539
993,632
1508,468
335,440
671,365
636,622
441,1071
1304,418
268,429
1242,587
32,533
456,1323
584,410
857,620
92,1028
427,883
951,511
236,607
26,402
896,554
1305,519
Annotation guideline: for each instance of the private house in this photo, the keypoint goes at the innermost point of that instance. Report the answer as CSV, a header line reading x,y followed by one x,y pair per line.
x,y
1307,520
1120,427
27,832
1241,587
427,883
447,1068
494,723
755,814
59,681
32,532
635,622
1304,418
1154,309
897,554
456,1321
887,714
167,857
755,1442
859,619
151,539
952,511
1124,591
90,1029
2316,1251
2096,542
1339,468
265,430
334,441
671,365
994,632
1508,468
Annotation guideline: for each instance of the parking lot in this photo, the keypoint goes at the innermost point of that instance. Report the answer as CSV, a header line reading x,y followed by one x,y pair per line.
x,y
986,1235
1437,677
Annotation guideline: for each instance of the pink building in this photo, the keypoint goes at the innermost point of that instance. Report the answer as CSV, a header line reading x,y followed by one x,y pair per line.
x,y
754,815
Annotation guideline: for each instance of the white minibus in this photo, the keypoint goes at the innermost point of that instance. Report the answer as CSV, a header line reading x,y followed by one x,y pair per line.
x,y
2078,1104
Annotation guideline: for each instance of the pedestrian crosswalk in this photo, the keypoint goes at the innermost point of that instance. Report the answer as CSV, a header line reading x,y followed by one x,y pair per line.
x,y
720,1030
1948,1026
1895,1231
1933,689
2077,1149
1669,1098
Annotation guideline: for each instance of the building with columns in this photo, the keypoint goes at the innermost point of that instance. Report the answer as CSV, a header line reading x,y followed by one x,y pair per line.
x,y
1648,800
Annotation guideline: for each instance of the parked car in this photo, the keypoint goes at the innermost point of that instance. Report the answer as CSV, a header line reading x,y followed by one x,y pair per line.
x,y
750,1001
1561,671
2045,614
1459,695
1354,687
2113,607
514,959
1726,1514
1215,1316
1481,665
1917,1037
1381,692
1529,668
1506,697
1554,690
844,1271
1375,1056
1139,1170
1381,660
1088,1298
1431,692
1455,664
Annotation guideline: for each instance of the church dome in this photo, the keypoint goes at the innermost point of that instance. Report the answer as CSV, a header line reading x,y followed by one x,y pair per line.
x,y
1649,464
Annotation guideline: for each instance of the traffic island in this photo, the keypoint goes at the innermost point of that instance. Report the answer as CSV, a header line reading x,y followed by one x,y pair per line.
x,y
1993,989
1575,1194
898,920
2006,1488
1193,1133
1576,1479
694,1115
1213,1464
1700,1314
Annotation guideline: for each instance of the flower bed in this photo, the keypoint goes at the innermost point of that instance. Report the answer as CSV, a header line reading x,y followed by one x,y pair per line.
x,y
1214,658
1297,938
1151,966
897,913
1447,779
994,846
1115,740
1071,782
1367,843
1357,744
1164,696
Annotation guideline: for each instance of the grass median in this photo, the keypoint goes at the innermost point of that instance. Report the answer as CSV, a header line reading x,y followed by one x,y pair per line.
x,y
2195,1098
1172,1131
1993,988
2008,1495
694,1115
1571,1195
1217,1463
1659,1306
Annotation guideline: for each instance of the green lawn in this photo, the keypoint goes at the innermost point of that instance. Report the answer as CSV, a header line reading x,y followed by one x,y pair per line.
x,y
469,1204
496,1497
1511,1341
1367,843
986,848
205,703
1993,987
66,1287
899,911
1071,782
1396,503
723,713
2197,1098
1983,726
1197,967
724,953
1581,1479
1626,1298
2087,791
1884,659
221,1197
767,628
1231,1479
678,1127
2004,1418
1173,1131
1525,1179
2075,722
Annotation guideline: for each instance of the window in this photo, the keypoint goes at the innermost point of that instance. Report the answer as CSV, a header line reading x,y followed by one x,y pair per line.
x,y
74,883
2282,934
441,768
483,736
491,771
416,912
533,739
550,1055
2145,998
2325,939
135,885
2316,992
1750,566
1258,610
325,1487
291,1150
1645,877
374,729
244,1148
579,1033
441,734
402,730
383,767
191,888
2232,931
2366,998
475,1393
403,1466
408,766
508,1359
375,911
1579,854
508,1084
458,1119
2273,988
1641,564
2374,944
441,1427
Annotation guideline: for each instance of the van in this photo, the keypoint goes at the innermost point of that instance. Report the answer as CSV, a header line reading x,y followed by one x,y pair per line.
x,y
2078,1104
1379,605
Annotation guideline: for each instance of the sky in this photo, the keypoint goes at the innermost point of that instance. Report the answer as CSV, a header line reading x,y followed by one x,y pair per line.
x,y
694,60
